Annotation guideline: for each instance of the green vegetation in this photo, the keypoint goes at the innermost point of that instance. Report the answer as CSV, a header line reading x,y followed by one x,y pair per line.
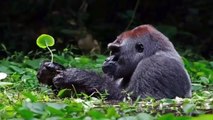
x,y
188,24
21,97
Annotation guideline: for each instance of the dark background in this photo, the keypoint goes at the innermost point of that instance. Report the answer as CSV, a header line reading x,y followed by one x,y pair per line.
x,y
188,23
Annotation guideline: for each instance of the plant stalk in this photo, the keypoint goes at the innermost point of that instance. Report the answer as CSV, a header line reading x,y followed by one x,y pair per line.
x,y
50,52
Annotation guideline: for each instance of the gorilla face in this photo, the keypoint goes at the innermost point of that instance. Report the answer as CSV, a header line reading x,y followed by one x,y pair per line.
x,y
124,58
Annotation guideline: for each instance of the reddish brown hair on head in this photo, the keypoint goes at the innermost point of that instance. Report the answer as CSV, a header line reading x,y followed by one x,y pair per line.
x,y
137,31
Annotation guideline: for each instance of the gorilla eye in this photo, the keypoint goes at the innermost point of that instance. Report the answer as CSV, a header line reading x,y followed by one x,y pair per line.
x,y
139,47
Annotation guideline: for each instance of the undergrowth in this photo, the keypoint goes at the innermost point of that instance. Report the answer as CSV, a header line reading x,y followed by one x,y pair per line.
x,y
21,97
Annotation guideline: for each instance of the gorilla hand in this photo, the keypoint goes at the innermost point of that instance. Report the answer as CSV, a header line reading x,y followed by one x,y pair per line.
x,y
48,71
66,78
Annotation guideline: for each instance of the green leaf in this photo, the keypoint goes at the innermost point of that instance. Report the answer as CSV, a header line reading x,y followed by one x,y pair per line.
x,y
35,107
57,106
1,106
55,111
64,93
204,80
111,112
29,95
169,116
17,69
57,118
45,40
96,114
26,77
33,63
5,69
83,60
128,118
144,116
25,113
196,87
75,107
188,108
3,84
204,117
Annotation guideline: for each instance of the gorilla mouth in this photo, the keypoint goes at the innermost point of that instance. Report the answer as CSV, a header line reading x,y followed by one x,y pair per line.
x,y
110,65
115,58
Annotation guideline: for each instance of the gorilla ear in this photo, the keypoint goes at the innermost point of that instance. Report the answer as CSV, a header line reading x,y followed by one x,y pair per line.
x,y
139,47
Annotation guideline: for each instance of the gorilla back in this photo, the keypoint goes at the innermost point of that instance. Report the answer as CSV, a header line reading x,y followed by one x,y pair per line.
x,y
143,59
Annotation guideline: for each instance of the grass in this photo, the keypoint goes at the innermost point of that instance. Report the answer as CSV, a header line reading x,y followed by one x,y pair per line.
x,y
21,97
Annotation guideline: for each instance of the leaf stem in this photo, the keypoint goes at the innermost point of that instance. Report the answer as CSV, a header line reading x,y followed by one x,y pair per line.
x,y
50,52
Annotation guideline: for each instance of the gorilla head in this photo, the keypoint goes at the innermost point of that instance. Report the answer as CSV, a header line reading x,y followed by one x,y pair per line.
x,y
131,47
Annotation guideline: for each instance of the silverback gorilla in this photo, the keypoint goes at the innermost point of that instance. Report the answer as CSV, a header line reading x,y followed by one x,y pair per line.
x,y
144,62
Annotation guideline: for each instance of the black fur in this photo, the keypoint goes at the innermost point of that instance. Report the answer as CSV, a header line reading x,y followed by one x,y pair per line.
x,y
152,69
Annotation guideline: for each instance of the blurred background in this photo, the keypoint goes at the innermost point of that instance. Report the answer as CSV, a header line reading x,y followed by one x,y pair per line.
x,y
87,26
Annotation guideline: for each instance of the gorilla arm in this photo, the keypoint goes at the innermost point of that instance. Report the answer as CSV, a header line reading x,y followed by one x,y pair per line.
x,y
81,80
160,77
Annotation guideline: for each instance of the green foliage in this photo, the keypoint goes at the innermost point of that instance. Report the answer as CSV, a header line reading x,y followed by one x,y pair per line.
x,y
200,71
23,98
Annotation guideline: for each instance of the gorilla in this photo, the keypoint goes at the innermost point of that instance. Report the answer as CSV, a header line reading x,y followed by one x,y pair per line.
x,y
143,63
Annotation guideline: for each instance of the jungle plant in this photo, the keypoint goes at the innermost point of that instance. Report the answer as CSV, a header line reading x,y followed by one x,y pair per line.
x,y
46,41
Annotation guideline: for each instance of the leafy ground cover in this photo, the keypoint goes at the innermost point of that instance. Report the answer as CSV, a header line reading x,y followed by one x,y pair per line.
x,y
21,97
